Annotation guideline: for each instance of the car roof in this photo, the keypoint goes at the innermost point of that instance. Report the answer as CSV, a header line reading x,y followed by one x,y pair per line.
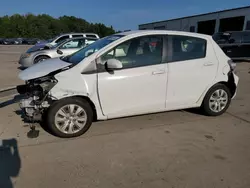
x,y
229,32
77,34
67,40
163,32
81,38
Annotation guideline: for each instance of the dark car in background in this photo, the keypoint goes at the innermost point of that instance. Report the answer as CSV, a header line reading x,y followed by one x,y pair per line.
x,y
17,41
9,41
235,44
30,41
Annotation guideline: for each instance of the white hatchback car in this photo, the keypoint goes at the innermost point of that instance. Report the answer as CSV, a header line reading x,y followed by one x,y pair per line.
x,y
126,74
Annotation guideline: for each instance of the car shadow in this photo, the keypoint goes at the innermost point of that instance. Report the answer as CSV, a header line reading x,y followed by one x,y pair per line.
x,y
33,133
10,162
196,111
15,99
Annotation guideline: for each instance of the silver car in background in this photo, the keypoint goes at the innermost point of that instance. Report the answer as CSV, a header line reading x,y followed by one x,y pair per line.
x,y
64,48
59,38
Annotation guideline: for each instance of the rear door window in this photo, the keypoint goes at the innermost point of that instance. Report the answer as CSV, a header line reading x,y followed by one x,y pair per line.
x,y
186,48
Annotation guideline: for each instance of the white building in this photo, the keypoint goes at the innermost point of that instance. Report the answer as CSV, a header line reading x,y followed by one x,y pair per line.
x,y
237,19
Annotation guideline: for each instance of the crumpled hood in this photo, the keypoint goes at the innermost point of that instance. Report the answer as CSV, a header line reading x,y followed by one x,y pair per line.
x,y
42,69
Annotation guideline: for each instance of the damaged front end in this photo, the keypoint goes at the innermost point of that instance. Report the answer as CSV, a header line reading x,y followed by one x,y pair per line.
x,y
37,98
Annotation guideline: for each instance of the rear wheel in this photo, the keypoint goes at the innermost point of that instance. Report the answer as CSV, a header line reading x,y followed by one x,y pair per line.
x,y
40,58
217,100
70,117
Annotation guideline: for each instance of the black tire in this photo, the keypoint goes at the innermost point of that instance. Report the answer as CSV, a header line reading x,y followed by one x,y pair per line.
x,y
205,105
40,58
50,120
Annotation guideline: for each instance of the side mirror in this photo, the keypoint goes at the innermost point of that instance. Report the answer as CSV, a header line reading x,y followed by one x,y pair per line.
x,y
113,64
59,52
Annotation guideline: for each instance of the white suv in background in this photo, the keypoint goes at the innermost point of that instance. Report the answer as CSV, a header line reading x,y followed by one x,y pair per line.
x,y
126,74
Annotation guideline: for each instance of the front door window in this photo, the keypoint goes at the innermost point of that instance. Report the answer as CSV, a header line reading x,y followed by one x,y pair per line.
x,y
138,52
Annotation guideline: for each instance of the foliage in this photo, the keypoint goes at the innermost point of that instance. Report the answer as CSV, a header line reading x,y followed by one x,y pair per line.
x,y
44,26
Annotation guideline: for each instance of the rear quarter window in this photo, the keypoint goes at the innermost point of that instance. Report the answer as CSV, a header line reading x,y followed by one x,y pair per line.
x,y
184,48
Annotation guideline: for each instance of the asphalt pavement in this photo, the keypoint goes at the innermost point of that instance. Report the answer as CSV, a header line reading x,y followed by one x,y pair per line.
x,y
180,149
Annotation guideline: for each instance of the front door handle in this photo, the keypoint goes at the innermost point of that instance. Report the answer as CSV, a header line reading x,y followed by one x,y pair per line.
x,y
158,72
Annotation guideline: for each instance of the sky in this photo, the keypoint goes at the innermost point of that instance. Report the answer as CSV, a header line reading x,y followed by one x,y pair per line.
x,y
122,15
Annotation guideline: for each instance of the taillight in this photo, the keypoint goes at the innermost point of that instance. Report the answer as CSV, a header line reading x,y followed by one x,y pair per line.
x,y
232,65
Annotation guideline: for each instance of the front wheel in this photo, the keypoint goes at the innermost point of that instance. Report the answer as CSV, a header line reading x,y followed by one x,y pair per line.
x,y
40,59
217,100
70,117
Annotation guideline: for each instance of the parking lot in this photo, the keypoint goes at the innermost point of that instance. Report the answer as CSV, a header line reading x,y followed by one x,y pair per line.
x,y
9,56
180,149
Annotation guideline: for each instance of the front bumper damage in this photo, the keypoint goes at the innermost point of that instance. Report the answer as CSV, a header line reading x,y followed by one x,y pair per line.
x,y
30,111
36,99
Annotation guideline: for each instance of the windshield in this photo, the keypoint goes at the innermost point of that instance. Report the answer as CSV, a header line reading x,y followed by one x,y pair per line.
x,y
59,43
78,56
50,40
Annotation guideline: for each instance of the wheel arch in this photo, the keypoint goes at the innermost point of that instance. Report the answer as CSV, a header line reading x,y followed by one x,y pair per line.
x,y
85,98
41,55
229,82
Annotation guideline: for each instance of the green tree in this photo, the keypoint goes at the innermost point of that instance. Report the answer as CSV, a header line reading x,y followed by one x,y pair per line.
x,y
44,26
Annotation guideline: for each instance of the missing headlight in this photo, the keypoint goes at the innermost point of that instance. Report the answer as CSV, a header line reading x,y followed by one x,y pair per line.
x,y
47,86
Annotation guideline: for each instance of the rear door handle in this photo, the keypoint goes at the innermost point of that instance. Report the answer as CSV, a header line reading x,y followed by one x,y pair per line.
x,y
158,72
208,64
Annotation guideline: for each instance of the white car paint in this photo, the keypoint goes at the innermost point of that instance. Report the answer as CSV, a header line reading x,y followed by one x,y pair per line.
x,y
42,68
188,79
142,90
133,91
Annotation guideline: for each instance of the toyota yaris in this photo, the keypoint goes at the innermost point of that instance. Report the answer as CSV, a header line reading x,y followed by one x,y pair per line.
x,y
126,74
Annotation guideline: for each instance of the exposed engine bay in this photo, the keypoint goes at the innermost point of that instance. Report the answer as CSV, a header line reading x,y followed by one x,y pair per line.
x,y
37,98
